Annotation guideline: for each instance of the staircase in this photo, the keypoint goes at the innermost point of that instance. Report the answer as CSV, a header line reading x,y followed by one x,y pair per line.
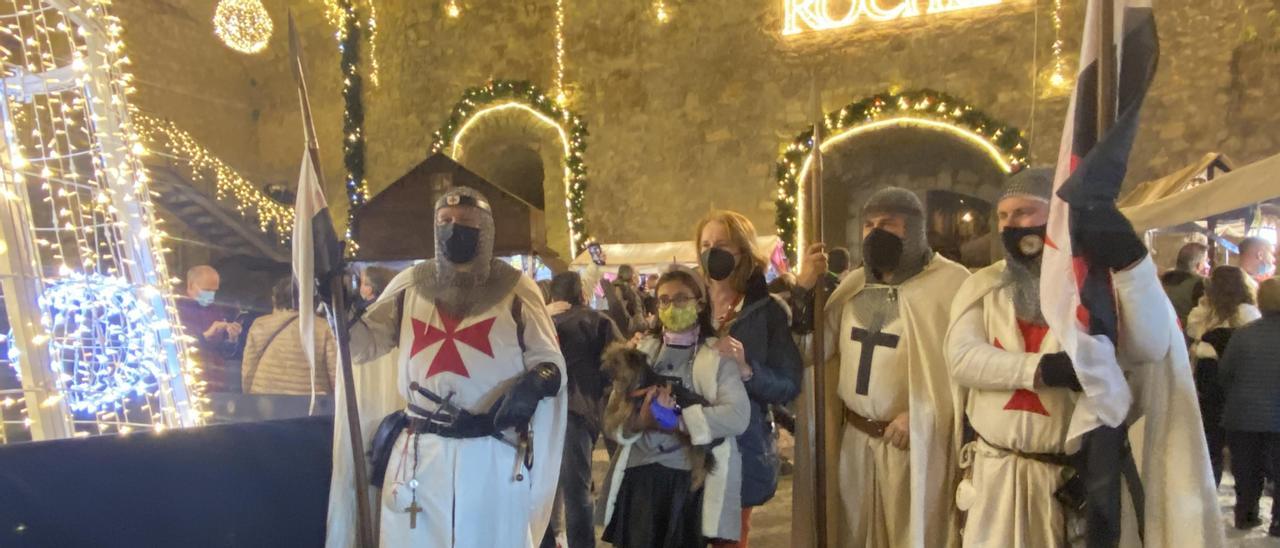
x,y
215,222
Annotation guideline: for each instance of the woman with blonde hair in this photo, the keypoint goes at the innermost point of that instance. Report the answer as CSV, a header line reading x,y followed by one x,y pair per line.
x,y
1226,305
755,333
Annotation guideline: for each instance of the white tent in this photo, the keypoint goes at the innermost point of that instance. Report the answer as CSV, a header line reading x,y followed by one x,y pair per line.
x,y
657,255
1253,184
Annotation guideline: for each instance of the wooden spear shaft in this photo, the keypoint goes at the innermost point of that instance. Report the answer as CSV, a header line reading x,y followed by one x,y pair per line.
x,y
337,304
1106,67
820,440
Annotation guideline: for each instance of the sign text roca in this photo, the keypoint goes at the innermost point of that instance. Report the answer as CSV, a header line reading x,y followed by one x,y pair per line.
x,y
817,15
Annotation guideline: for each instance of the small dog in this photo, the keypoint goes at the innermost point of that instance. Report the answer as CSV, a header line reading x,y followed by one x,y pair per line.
x,y
630,371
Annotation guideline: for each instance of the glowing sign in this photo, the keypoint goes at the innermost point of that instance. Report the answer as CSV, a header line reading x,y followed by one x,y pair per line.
x,y
811,15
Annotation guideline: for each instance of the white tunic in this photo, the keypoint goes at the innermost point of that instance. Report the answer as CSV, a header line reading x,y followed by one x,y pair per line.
x,y
885,394
1008,499
891,497
466,487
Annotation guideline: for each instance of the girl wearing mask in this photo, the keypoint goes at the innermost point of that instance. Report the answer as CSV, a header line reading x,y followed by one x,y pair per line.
x,y
1226,305
754,332
651,497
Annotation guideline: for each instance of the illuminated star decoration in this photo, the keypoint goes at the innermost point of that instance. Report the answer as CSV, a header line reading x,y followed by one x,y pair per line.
x,y
448,359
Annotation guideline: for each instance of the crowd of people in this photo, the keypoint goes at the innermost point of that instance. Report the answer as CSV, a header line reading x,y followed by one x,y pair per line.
x,y
263,353
1230,325
959,409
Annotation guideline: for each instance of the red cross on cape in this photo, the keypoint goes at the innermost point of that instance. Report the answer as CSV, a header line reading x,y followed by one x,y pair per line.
x,y
448,359
1023,399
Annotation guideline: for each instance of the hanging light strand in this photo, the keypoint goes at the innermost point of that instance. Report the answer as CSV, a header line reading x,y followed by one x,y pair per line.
x,y
1058,78
562,97
660,12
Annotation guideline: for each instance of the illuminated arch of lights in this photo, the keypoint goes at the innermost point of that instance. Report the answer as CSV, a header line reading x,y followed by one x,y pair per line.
x,y
505,95
924,109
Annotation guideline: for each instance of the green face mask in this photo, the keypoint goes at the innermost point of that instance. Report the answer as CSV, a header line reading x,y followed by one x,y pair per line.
x,y
679,318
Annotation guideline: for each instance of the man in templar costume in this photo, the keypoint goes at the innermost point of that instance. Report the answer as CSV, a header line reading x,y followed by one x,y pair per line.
x,y
884,328
1017,391
479,377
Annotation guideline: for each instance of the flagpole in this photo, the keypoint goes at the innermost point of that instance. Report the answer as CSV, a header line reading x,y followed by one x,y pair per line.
x,y
819,329
1106,68
337,304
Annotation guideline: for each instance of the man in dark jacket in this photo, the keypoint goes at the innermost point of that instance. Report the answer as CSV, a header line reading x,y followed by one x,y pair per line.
x,y
1185,283
584,335
625,307
1251,416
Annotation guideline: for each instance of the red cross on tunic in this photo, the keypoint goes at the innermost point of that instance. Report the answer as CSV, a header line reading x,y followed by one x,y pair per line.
x,y
448,359
1023,399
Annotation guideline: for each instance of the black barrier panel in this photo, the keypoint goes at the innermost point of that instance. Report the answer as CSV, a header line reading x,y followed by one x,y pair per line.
x,y
243,485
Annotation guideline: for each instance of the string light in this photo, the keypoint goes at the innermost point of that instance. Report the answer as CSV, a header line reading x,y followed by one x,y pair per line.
x,y
925,109
1059,77
74,161
338,12
102,344
507,95
344,15
373,43
452,9
272,216
562,98
814,15
660,11
243,25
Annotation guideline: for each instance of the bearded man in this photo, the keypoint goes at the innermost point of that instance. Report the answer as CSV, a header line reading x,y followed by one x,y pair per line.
x,y
884,328
477,455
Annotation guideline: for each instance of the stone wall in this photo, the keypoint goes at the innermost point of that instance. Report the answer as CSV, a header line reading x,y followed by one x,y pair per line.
x,y
692,114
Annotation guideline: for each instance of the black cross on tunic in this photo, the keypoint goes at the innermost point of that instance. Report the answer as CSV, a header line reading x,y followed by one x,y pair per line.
x,y
870,340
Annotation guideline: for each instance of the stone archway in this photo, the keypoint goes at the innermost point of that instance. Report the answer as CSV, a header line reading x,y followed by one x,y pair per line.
x,y
925,141
514,136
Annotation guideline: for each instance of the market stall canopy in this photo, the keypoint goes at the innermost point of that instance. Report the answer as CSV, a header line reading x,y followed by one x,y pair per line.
x,y
659,254
398,223
1253,184
1212,163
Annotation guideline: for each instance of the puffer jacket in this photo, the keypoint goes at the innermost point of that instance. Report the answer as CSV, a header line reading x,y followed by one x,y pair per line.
x,y
1251,378
273,358
763,325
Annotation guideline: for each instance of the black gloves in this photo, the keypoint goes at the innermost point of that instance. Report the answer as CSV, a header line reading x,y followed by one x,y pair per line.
x,y
1056,371
685,397
516,408
1105,237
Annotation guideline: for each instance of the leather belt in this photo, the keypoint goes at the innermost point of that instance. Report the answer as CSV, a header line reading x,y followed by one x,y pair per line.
x,y
873,428
466,426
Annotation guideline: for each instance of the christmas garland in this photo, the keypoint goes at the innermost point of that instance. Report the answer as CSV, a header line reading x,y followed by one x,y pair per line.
x,y
925,104
477,99
353,113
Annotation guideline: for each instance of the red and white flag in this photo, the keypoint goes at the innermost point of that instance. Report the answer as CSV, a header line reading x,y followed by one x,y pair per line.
x,y
1077,298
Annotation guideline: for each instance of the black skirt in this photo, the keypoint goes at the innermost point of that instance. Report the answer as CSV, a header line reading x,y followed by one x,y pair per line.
x,y
655,508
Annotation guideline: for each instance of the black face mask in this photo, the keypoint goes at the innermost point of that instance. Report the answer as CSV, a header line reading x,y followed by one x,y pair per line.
x,y
882,250
1023,244
719,264
459,243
